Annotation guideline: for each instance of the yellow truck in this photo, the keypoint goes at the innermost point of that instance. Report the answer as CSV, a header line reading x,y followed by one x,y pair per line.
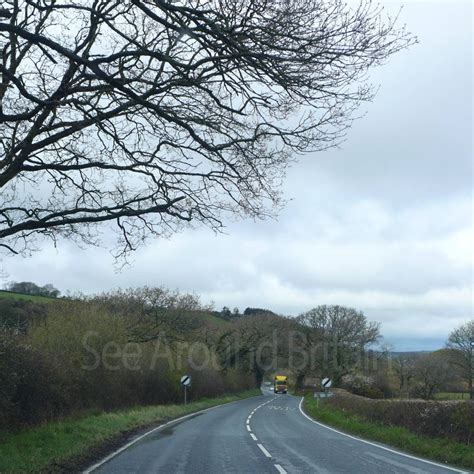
x,y
280,384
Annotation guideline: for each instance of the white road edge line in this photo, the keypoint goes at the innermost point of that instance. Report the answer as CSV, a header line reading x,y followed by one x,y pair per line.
x,y
131,443
264,451
378,445
280,469
253,436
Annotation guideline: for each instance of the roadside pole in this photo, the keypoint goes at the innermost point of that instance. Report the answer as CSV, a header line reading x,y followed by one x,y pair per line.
x,y
325,384
185,383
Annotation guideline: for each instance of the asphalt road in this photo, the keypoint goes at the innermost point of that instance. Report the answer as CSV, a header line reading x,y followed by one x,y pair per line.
x,y
266,434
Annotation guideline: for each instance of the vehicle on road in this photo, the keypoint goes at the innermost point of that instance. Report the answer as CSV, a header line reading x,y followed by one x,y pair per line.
x,y
280,384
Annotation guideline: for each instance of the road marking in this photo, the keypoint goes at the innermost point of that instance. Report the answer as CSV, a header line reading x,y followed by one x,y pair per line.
x,y
378,445
157,428
264,451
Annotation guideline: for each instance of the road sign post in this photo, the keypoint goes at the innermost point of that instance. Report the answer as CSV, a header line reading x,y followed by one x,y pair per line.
x,y
185,383
326,382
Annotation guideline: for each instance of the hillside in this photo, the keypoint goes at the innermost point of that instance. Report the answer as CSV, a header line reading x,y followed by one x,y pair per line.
x,y
24,296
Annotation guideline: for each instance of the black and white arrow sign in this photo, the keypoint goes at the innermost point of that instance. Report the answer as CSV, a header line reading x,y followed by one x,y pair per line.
x,y
326,382
186,380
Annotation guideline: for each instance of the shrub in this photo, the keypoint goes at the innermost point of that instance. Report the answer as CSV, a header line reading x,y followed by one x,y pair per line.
x,y
361,385
30,391
76,358
18,314
451,419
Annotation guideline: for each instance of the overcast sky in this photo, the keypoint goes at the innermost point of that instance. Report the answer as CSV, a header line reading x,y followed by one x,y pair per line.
x,y
383,224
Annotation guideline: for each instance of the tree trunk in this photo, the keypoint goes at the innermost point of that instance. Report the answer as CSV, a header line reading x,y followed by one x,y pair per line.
x,y
300,380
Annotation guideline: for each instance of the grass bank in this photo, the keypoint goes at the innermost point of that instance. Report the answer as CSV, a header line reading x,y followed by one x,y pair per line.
x,y
438,449
55,445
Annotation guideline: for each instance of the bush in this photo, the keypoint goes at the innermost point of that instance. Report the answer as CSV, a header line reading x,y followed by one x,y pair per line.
x,y
79,357
451,419
361,385
18,314
30,391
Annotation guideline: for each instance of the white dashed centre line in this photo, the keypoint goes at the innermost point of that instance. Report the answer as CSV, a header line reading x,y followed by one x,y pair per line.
x,y
261,447
264,451
280,469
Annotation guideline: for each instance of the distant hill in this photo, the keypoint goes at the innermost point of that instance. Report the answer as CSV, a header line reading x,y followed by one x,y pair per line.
x,y
24,296
409,353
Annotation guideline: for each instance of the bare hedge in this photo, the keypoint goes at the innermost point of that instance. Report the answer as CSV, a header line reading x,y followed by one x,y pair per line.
x,y
73,360
450,419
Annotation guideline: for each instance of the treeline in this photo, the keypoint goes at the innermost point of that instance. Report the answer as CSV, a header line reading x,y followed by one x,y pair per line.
x,y
30,288
415,375
131,347
421,375
115,350
228,315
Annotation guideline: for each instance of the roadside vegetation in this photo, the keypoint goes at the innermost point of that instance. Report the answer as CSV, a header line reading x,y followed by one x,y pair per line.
x,y
438,446
69,444
109,352
451,396
113,352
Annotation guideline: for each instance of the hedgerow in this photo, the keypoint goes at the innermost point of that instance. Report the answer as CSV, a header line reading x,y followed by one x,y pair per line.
x,y
453,419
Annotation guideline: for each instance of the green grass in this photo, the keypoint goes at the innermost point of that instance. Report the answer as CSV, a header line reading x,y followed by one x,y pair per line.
x,y
438,449
37,448
214,319
451,396
24,296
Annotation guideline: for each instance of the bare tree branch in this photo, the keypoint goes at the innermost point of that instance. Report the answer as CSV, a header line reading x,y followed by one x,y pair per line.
x,y
150,114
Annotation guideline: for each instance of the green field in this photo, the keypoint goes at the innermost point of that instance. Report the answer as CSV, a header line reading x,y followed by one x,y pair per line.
x,y
438,449
23,296
452,396
59,442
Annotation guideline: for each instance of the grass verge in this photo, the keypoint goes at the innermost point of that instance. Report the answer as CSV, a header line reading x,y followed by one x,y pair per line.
x,y
53,445
437,449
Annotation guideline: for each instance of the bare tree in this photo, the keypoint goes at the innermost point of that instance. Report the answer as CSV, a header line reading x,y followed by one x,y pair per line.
x,y
431,373
461,342
338,336
152,313
150,114
258,343
404,368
